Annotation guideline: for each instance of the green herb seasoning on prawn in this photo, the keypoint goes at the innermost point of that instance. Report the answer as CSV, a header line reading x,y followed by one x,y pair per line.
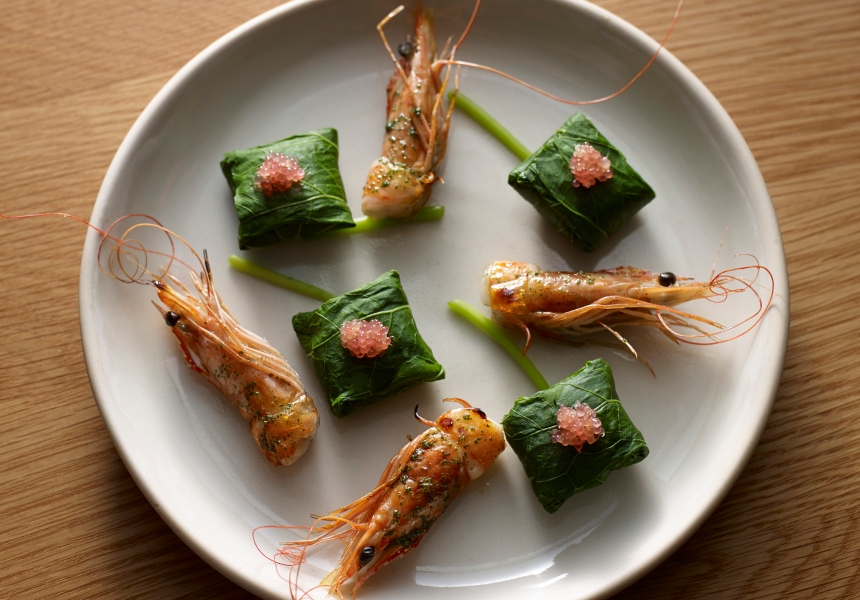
x,y
416,487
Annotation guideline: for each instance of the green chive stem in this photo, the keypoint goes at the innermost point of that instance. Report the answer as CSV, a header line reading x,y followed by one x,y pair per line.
x,y
363,225
488,122
491,329
278,279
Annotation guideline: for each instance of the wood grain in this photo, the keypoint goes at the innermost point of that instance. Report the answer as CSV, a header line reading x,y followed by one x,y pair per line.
x,y
74,75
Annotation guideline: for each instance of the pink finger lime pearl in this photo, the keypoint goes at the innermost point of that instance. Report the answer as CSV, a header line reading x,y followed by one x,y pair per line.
x,y
277,174
364,339
577,426
589,166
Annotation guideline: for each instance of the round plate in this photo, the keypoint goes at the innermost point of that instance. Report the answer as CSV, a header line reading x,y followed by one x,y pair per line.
x,y
312,64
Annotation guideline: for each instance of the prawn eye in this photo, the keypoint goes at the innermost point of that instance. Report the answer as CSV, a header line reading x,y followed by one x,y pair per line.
x,y
171,318
481,413
666,279
405,49
366,555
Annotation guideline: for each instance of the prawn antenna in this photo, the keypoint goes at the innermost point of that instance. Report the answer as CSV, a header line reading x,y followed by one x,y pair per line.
x,y
418,417
125,247
467,29
459,401
624,88
123,250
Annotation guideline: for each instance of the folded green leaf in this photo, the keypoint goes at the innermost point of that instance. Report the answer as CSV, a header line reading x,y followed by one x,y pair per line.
x,y
586,216
351,383
313,206
556,472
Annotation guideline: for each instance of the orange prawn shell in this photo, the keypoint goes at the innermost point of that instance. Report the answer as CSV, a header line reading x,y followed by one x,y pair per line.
x,y
568,305
253,376
418,484
399,182
523,289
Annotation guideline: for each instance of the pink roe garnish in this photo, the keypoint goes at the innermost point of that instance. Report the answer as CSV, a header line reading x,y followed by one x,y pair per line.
x,y
577,425
589,166
364,339
277,174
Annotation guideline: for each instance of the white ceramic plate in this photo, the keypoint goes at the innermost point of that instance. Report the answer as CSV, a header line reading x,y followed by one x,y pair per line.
x,y
311,64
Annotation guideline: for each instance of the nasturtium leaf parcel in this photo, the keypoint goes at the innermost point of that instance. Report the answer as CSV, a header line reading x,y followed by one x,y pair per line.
x,y
586,216
349,382
310,207
556,472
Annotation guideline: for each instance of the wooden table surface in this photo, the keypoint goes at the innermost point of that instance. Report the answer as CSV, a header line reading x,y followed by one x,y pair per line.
x,y
74,75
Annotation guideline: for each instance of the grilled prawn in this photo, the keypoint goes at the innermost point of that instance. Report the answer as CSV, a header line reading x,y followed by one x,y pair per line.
x,y
416,129
574,304
241,365
418,484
